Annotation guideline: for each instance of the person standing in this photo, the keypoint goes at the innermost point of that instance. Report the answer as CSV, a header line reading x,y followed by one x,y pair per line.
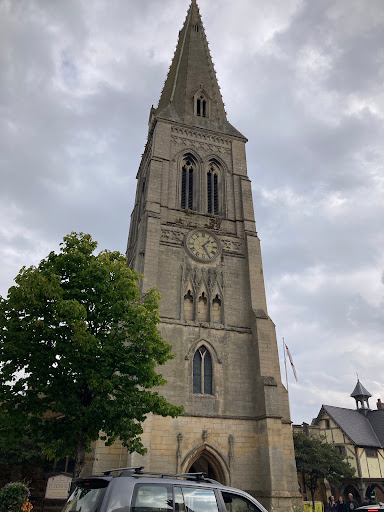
x,y
352,503
332,505
341,505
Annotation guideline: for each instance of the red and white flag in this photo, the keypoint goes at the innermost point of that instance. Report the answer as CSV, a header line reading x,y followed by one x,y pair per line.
x,y
290,360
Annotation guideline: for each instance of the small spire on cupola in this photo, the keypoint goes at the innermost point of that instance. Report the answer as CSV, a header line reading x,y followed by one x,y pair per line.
x,y
361,395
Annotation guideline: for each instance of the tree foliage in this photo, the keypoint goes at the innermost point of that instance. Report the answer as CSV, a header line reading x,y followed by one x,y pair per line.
x,y
79,347
316,460
21,451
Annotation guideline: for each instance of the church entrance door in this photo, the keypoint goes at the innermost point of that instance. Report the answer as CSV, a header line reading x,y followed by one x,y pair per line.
x,y
208,464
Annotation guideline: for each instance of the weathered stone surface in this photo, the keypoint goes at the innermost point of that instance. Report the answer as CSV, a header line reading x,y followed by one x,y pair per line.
x,y
241,428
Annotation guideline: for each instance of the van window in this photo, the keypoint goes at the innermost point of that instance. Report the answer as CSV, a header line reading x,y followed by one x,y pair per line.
x,y
236,503
152,498
87,496
195,499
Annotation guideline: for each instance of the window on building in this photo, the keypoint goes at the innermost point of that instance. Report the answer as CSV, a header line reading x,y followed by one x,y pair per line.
x,y
342,450
371,452
213,189
66,465
201,106
202,372
327,424
187,183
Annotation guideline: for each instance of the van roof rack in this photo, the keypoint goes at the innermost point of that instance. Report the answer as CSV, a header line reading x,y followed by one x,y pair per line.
x,y
138,471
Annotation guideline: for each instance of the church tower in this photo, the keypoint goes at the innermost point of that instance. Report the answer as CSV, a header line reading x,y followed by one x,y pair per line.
x,y
193,236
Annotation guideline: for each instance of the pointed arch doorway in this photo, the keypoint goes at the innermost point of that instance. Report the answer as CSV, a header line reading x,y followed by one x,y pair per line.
x,y
206,462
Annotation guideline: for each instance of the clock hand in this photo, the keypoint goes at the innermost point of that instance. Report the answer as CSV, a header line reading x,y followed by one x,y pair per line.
x,y
205,249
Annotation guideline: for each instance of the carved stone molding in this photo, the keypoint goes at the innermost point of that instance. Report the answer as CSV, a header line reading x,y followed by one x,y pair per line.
x,y
200,145
172,236
231,441
232,246
205,137
179,451
210,278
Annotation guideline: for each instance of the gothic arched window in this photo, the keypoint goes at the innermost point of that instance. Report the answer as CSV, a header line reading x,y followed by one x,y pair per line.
x,y
187,180
202,371
201,104
201,107
213,192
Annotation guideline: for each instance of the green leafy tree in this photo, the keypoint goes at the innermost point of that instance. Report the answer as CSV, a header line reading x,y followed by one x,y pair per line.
x,y
79,348
20,451
316,460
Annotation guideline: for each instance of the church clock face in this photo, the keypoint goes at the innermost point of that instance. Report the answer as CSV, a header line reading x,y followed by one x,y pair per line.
x,y
202,245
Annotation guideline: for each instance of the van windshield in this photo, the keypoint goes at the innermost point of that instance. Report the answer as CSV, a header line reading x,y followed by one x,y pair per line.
x,y
87,496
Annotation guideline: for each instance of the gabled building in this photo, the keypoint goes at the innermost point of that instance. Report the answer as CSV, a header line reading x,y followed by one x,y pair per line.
x,y
359,435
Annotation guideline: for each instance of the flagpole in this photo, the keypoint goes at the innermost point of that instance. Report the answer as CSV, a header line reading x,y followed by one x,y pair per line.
x,y
286,378
285,364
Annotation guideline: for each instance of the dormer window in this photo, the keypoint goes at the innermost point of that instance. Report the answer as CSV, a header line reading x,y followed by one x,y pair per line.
x,y
201,107
201,104
196,27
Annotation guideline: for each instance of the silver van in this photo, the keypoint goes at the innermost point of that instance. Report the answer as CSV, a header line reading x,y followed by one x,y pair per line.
x,y
134,490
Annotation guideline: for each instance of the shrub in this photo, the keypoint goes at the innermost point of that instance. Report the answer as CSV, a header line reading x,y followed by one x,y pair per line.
x,y
14,497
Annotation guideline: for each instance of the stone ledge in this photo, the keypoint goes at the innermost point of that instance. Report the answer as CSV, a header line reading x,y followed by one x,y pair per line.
x,y
230,417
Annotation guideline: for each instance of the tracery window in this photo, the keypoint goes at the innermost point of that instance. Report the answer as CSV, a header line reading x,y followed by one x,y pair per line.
x,y
202,371
213,199
187,182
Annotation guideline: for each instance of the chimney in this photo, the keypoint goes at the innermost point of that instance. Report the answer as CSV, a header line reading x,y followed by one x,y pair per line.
x,y
379,404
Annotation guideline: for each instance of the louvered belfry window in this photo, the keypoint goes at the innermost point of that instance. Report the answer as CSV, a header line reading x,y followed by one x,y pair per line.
x,y
187,181
202,372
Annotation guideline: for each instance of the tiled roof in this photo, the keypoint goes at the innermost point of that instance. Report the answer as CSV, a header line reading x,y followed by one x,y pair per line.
x,y
360,391
362,430
376,419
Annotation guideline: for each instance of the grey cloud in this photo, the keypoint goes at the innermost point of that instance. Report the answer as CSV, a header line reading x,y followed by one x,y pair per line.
x,y
77,85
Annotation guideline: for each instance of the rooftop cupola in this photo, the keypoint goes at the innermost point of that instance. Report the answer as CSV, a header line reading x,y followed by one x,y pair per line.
x,y
361,395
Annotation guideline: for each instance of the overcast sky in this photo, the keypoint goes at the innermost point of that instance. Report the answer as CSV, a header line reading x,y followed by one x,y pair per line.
x,y
302,79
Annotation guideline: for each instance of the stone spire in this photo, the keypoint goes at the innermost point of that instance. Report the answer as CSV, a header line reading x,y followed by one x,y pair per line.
x,y
192,76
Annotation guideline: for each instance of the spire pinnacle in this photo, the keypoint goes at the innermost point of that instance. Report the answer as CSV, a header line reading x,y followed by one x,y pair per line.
x,y
191,93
